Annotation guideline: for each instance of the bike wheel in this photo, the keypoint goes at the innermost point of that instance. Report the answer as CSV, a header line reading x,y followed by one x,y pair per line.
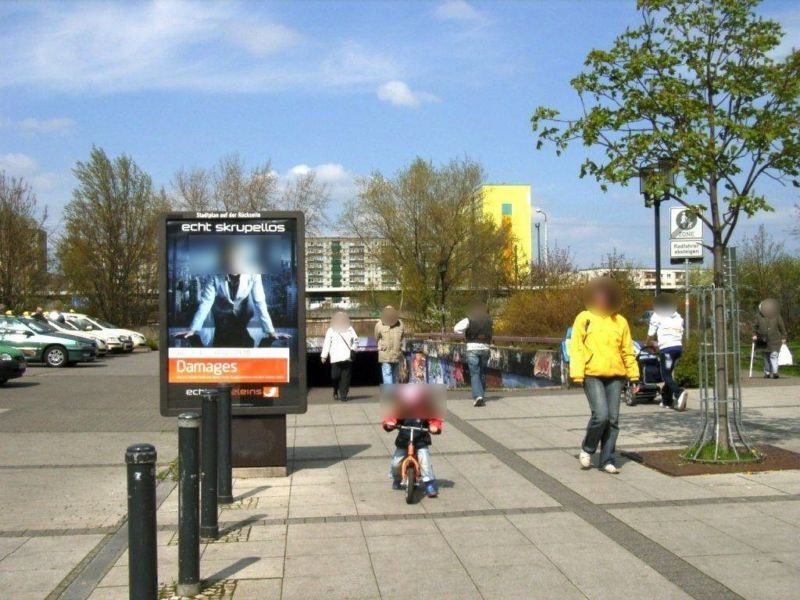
x,y
411,483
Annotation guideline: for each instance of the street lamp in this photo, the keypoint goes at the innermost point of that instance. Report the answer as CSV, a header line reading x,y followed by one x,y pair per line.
x,y
442,273
546,230
663,174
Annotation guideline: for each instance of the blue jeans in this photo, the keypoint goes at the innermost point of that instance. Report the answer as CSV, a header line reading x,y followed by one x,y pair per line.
x,y
425,464
389,372
603,394
476,361
668,358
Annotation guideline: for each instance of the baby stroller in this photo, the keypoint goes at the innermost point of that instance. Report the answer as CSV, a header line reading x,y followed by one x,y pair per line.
x,y
649,377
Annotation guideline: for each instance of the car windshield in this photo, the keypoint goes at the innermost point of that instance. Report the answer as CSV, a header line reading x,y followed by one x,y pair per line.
x,y
12,325
83,324
106,324
40,326
68,325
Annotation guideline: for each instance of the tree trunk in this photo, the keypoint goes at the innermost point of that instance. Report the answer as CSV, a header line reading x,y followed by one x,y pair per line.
x,y
720,346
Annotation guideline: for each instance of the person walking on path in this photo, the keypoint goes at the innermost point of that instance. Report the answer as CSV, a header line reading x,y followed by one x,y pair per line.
x,y
602,359
341,341
477,329
389,337
666,334
769,334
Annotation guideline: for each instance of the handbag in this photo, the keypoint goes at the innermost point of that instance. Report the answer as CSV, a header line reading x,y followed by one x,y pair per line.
x,y
785,356
352,352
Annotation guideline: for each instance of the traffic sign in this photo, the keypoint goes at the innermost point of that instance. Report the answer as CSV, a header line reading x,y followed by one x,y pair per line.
x,y
681,250
684,224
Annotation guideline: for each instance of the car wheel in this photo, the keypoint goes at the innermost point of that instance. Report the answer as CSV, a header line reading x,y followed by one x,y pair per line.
x,y
55,356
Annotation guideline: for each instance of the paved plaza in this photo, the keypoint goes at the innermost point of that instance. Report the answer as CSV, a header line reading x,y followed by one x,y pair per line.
x,y
515,518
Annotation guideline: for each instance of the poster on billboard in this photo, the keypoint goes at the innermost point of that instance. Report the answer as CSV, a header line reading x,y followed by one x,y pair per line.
x,y
232,310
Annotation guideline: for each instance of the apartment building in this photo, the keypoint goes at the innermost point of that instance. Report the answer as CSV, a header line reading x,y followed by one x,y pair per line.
x,y
341,264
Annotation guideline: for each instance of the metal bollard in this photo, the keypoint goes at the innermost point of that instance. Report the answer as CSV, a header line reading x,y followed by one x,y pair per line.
x,y
142,560
209,527
189,504
225,482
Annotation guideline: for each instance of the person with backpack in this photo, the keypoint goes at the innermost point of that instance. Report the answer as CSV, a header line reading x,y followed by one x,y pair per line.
x,y
477,329
602,359
341,342
665,333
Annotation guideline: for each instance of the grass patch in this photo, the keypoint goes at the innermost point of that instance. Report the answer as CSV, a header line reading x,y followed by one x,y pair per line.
x,y
169,472
708,453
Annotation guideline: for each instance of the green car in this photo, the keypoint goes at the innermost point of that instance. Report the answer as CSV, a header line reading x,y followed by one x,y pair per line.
x,y
52,349
12,363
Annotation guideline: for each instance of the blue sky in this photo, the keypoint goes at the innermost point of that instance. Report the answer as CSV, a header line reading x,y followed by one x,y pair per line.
x,y
344,88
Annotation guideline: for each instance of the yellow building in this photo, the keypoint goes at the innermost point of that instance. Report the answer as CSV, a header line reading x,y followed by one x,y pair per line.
x,y
511,204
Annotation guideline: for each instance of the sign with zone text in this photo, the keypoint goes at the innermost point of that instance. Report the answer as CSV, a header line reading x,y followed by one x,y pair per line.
x,y
233,310
685,236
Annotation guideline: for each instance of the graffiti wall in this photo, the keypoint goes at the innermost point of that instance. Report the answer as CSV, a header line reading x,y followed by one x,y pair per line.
x,y
445,363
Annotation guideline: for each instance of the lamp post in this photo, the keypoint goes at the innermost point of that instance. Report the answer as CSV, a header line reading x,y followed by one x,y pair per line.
x,y
663,174
546,231
442,272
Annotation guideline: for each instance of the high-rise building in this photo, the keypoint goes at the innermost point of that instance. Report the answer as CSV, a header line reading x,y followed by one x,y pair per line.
x,y
341,264
510,204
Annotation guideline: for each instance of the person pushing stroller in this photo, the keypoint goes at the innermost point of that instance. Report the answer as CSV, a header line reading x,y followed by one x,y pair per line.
x,y
665,334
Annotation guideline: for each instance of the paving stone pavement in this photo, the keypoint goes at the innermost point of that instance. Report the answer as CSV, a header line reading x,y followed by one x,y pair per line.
x,y
516,517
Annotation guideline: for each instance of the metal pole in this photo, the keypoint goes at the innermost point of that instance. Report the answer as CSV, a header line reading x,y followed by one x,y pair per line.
x,y
143,560
538,244
225,483
657,206
189,504
209,527
686,301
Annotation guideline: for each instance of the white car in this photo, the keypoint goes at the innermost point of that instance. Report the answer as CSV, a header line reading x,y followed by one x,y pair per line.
x,y
117,339
45,327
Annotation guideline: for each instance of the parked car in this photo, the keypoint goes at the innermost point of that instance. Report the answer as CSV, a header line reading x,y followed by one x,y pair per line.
x,y
46,328
54,350
117,342
98,324
12,363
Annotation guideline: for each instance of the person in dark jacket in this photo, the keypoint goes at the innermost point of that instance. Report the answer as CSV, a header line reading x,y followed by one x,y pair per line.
x,y
477,329
769,333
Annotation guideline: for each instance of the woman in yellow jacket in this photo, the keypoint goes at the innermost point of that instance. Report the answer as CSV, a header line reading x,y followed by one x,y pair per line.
x,y
601,359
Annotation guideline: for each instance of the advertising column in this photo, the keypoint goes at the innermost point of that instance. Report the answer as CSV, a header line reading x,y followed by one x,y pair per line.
x,y
233,312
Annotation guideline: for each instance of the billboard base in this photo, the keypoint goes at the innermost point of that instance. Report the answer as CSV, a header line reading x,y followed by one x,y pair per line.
x,y
259,444
259,472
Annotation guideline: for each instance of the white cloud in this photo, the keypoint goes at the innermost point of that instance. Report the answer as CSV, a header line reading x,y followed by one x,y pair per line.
x,y
398,93
458,10
26,167
55,124
339,182
227,47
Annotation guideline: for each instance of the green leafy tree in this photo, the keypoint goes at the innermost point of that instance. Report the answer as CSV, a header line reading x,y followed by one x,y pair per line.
x,y
436,238
23,252
109,249
697,83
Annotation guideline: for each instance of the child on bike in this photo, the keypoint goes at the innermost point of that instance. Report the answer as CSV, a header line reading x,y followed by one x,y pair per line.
x,y
413,411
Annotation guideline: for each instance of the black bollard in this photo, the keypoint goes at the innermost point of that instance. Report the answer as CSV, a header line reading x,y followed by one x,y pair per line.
x,y
225,477
142,560
209,527
189,504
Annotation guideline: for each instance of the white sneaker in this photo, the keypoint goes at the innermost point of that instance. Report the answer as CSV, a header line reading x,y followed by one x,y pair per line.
x,y
681,405
479,401
609,468
585,459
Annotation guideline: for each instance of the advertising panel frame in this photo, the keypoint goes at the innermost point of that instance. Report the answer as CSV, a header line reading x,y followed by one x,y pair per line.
x,y
300,404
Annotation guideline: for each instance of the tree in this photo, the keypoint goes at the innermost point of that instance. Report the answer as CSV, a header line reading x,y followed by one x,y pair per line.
x,y
108,251
231,186
696,84
23,250
766,270
437,240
